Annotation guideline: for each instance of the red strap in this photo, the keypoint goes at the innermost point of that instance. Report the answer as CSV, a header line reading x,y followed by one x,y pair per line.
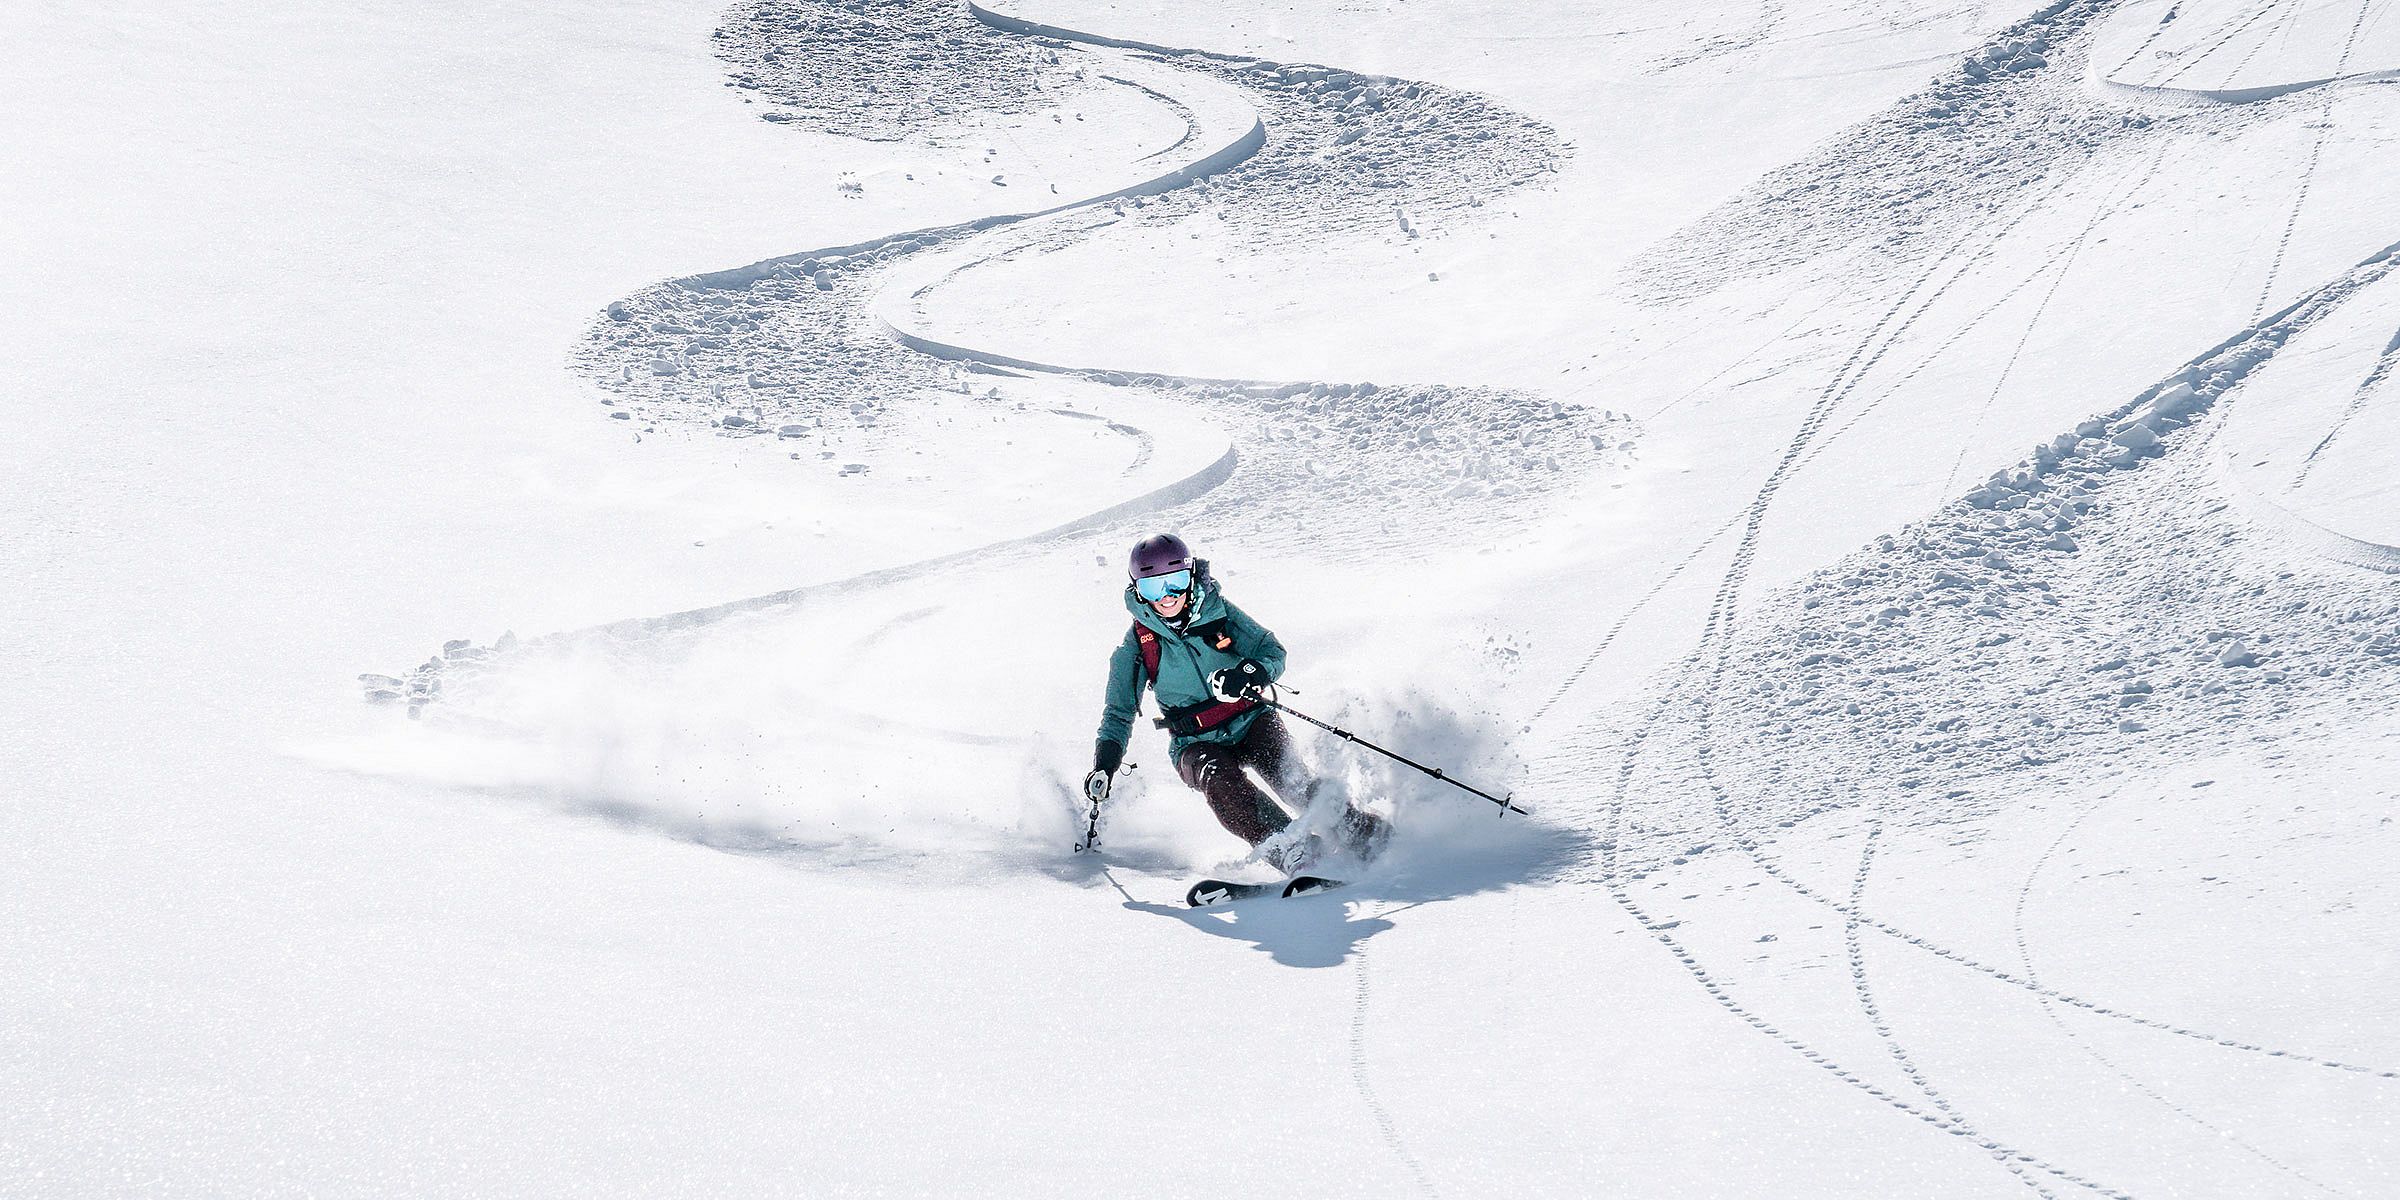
x,y
1221,712
1149,648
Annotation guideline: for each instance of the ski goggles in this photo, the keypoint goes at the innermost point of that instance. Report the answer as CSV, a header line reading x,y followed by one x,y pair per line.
x,y
1154,588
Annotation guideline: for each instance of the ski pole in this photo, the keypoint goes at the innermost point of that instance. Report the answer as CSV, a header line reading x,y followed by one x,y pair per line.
x,y
1347,736
1091,831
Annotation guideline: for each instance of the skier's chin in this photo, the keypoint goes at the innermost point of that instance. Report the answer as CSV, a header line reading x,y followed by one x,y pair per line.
x,y
1169,608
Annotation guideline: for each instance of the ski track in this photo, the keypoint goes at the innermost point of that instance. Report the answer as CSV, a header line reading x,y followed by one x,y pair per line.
x,y
2300,539
1936,161
1780,337
1974,263
2050,1010
1720,626
1143,443
2232,30
785,342
1612,878
2308,174
2166,19
1861,360
2057,265
677,332
1770,17
1881,335
1592,657
1617,627
1385,1125
2376,376
2064,264
1887,330
1884,1032
1716,637
2291,16
1613,874
2294,318
1845,379
1711,659
1191,120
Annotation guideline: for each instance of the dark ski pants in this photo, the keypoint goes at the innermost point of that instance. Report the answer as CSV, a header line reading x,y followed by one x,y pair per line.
x,y
1219,771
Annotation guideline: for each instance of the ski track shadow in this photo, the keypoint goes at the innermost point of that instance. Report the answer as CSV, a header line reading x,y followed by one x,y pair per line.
x,y
1326,930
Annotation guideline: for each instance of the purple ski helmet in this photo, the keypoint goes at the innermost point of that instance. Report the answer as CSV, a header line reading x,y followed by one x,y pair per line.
x,y
1159,554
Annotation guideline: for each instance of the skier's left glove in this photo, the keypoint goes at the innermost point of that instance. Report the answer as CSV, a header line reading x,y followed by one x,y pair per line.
x,y
1244,680
1095,787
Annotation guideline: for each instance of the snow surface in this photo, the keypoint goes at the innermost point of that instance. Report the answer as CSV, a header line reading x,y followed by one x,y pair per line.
x,y
1902,492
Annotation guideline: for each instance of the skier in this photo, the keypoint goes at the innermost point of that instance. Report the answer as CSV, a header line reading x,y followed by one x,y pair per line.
x,y
1209,665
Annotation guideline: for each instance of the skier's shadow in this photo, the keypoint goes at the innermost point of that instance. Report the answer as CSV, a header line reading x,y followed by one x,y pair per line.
x,y
1305,931
1319,931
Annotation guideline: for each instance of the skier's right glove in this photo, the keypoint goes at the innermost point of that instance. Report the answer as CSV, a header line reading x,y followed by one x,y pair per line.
x,y
1106,756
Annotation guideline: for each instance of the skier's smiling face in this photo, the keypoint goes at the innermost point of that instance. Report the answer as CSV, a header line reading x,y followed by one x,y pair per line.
x,y
1167,594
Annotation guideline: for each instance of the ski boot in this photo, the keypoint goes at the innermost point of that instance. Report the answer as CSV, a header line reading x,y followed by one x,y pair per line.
x,y
1291,855
1364,834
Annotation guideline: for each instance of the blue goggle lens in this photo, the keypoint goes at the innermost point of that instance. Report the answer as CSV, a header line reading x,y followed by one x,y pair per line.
x,y
1158,587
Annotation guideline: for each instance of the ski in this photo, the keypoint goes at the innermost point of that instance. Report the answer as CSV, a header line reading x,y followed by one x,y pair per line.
x,y
1218,891
1210,892
1310,885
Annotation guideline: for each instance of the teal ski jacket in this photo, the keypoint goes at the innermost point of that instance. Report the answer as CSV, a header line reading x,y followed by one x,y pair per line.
x,y
1186,658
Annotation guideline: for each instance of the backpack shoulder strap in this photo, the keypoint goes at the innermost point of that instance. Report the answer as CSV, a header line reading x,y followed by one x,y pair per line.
x,y
1147,641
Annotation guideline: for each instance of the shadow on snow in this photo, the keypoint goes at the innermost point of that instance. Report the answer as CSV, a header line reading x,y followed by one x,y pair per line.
x,y
1323,930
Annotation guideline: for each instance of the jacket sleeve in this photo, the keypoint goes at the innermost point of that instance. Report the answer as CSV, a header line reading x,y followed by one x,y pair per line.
x,y
1252,640
1124,692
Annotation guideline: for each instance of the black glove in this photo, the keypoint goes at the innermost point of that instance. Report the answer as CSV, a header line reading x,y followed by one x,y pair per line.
x,y
1106,755
1241,681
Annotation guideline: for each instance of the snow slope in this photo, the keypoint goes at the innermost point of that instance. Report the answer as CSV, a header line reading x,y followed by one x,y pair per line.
x,y
1899,492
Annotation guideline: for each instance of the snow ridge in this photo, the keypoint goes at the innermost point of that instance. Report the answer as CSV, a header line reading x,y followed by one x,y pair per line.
x,y
1946,158
802,347
881,70
1846,681
1816,661
2290,70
